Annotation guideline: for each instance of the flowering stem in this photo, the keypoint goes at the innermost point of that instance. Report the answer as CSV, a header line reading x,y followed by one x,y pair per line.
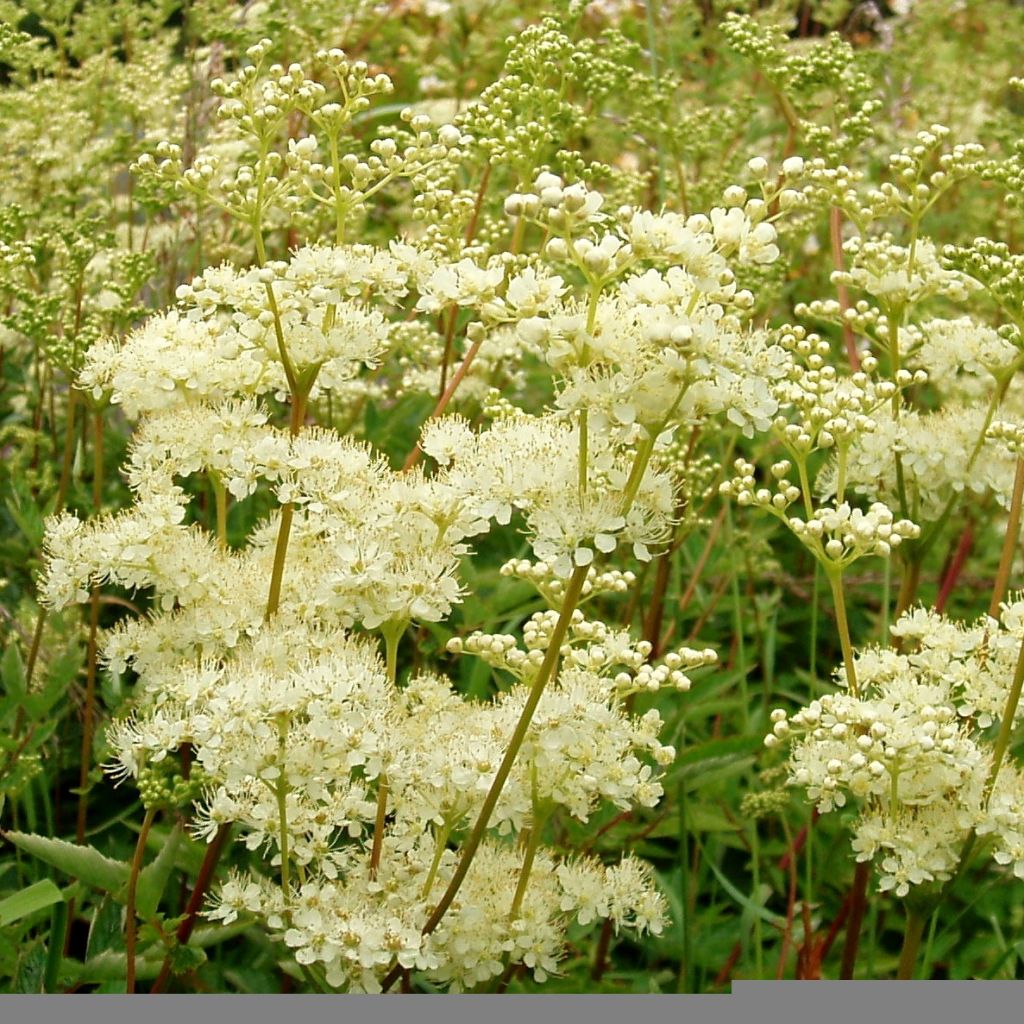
x,y
1006,725
67,463
281,792
220,497
644,453
835,230
584,438
287,512
131,932
911,943
532,842
805,486
89,705
1010,539
442,403
378,825
908,584
573,591
449,342
88,715
835,581
392,632
195,902
440,845
636,473
857,900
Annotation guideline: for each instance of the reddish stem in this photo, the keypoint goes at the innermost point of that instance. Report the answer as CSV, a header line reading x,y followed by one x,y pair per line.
x,y
956,565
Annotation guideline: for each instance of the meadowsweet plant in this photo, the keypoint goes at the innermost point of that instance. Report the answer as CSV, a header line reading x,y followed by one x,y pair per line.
x,y
505,497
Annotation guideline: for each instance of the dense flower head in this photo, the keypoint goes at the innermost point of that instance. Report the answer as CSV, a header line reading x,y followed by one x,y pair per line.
x,y
911,745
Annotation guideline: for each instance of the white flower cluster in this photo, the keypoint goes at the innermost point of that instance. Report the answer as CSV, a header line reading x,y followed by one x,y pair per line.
x,y
844,534
940,454
356,927
303,724
529,464
223,341
962,357
913,750
659,345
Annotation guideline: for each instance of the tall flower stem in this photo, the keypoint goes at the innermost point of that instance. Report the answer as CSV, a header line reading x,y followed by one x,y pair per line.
x,y
67,463
287,513
280,789
92,659
835,581
1010,539
573,590
1006,723
916,921
835,231
195,902
131,925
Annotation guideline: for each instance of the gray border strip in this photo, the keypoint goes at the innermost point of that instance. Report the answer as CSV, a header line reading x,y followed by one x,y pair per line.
x,y
758,1002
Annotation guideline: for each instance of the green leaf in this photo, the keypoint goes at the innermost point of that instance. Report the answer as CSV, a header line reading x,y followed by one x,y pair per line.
x,y
744,901
12,671
83,862
28,519
28,901
31,968
719,748
105,931
154,877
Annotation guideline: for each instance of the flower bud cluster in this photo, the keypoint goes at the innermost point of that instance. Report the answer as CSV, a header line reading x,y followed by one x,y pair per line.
x,y
895,277
916,187
841,535
993,266
607,581
591,646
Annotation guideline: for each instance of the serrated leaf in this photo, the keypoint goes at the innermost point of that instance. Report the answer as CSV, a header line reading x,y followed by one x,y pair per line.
x,y
154,876
83,862
105,931
28,901
31,968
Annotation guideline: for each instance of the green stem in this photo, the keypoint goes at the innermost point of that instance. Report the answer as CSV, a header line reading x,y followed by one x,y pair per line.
x,y
392,632
644,453
281,792
911,944
584,439
67,462
529,854
440,845
546,673
835,582
1006,725
89,705
220,497
131,924
287,514
908,584
55,947
378,825
1010,539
